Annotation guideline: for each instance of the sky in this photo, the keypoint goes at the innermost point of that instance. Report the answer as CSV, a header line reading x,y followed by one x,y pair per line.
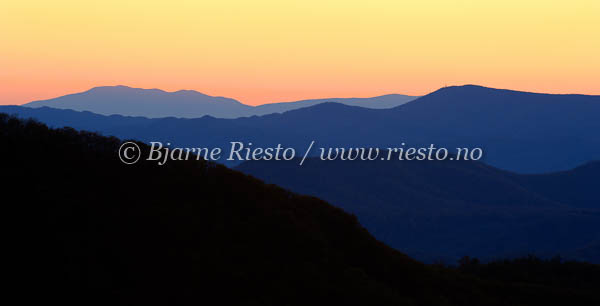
x,y
270,51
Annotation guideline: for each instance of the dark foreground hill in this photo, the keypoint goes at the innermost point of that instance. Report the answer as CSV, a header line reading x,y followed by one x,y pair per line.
x,y
518,131
86,229
443,210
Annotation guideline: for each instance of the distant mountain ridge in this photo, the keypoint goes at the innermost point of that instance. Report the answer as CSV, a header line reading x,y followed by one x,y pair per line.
x,y
127,101
156,103
379,102
518,131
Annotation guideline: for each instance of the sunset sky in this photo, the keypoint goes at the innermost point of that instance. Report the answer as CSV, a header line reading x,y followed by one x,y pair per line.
x,y
269,51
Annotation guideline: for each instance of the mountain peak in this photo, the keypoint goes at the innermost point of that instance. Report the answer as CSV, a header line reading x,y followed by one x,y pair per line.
x,y
468,88
130,101
114,87
472,89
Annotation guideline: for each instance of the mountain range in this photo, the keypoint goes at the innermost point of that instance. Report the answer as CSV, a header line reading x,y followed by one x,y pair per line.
x,y
444,210
87,229
518,131
422,208
156,103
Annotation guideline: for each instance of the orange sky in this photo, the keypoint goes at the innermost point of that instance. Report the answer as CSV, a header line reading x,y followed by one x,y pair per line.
x,y
267,51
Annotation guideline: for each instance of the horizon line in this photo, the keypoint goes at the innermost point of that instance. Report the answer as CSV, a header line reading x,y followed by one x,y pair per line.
x,y
291,101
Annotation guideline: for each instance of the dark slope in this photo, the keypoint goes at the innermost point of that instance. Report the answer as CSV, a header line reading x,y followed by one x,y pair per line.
x,y
579,187
89,230
449,209
522,132
106,233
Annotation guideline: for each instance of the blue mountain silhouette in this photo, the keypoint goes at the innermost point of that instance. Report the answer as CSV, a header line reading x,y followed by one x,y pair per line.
x,y
123,100
443,210
156,103
518,131
379,102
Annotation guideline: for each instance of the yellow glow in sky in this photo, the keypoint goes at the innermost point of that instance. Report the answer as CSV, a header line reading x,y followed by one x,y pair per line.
x,y
266,51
